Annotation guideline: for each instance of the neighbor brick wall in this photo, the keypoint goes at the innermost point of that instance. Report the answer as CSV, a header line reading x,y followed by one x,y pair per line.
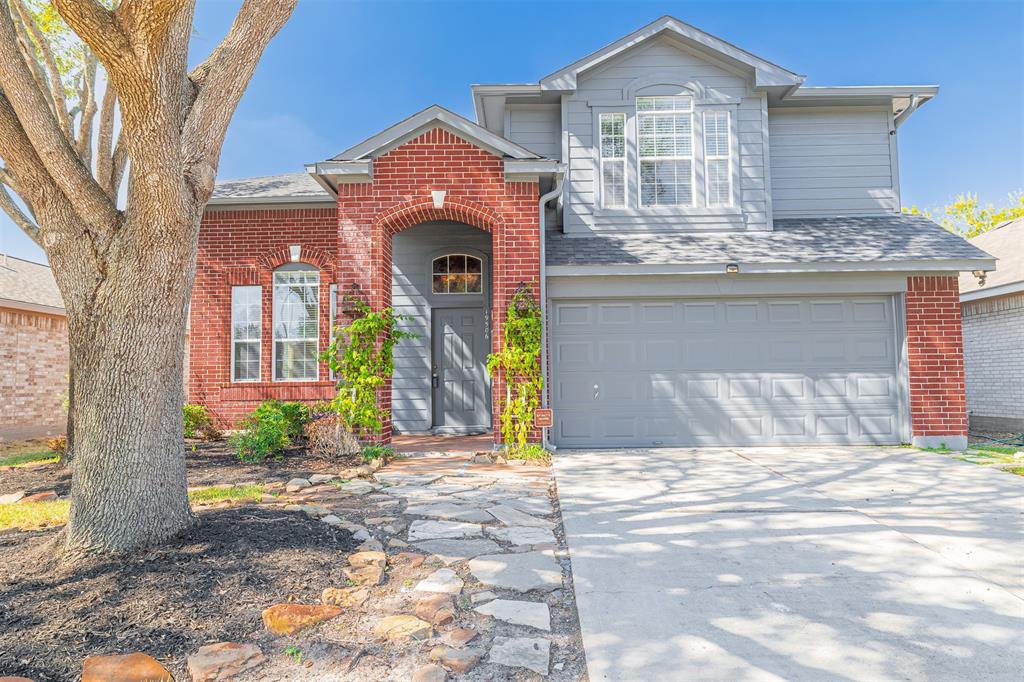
x,y
370,214
242,247
935,357
33,383
994,361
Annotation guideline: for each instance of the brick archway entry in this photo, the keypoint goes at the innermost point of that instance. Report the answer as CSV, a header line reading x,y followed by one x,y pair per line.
x,y
399,197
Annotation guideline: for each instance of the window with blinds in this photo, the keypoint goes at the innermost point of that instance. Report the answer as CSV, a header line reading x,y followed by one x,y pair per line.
x,y
296,323
613,160
665,150
246,326
716,158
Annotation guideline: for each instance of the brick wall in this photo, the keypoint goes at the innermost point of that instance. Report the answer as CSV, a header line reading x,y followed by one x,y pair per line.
x,y
242,247
935,360
994,362
33,383
370,214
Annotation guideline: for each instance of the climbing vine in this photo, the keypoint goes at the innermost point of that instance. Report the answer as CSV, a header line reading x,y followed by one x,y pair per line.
x,y
519,362
360,357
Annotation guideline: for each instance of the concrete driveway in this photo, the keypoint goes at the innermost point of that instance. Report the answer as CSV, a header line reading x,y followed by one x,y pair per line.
x,y
794,564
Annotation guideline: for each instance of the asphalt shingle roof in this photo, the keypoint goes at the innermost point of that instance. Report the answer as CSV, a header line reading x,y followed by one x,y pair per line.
x,y
793,240
289,185
23,281
1006,243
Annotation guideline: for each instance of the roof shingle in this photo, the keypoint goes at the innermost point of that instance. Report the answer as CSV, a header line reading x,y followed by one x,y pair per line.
x,y
23,281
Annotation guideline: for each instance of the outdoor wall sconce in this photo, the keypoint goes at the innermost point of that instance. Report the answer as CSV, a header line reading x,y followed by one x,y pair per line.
x,y
980,274
438,196
296,252
351,300
732,268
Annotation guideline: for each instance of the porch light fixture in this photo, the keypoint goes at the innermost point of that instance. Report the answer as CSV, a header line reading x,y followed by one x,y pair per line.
x,y
438,196
296,252
980,274
732,268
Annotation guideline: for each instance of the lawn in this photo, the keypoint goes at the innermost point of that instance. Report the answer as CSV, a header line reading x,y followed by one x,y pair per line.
x,y
28,457
999,456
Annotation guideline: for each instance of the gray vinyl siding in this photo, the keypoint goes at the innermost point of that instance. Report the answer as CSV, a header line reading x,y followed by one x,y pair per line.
x,y
538,127
832,161
412,252
604,88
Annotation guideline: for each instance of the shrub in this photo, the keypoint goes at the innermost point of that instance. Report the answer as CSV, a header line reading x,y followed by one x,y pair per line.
x,y
530,452
372,452
327,436
264,434
58,444
196,418
297,415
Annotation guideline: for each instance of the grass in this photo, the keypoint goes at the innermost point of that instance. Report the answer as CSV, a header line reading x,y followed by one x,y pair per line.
x,y
234,493
23,458
34,515
1003,449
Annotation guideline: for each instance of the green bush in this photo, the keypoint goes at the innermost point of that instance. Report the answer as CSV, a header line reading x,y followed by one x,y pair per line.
x,y
196,420
530,452
264,434
297,415
372,452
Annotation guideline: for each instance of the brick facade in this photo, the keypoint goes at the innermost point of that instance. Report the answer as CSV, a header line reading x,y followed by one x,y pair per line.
x,y
370,214
994,362
938,407
34,383
242,247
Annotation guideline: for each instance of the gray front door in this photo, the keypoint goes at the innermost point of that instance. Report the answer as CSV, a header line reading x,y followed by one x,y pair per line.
x,y
461,390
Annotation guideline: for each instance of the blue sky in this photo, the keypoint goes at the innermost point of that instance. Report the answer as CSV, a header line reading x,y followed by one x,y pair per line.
x,y
343,70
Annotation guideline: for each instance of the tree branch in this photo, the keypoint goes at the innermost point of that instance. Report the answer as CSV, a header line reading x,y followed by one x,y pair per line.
x,y
219,83
59,158
105,140
18,216
99,30
56,89
87,98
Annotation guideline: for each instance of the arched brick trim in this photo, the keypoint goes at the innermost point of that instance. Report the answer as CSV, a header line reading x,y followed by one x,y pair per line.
x,y
456,209
309,254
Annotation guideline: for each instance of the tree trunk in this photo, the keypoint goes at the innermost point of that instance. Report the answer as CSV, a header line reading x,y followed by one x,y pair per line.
x,y
127,335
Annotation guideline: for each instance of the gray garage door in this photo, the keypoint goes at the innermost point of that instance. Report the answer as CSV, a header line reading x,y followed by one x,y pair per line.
x,y
724,371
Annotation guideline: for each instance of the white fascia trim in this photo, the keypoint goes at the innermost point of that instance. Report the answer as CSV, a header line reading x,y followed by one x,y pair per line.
x,y
950,266
12,304
766,73
814,91
263,201
1001,290
528,169
433,114
502,90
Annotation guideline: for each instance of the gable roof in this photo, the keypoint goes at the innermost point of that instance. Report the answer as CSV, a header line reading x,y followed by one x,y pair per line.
x,y
29,286
270,189
432,117
1006,243
766,73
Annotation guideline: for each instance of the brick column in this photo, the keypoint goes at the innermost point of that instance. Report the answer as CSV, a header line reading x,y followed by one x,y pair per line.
x,y
938,405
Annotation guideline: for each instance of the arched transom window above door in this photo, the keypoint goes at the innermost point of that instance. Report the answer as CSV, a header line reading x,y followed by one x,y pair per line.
x,y
457,273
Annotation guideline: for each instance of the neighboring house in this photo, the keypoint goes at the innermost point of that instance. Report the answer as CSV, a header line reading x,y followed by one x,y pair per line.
x,y
33,351
718,249
993,321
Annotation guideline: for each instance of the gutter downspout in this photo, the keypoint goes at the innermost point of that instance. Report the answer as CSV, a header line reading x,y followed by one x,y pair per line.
x,y
556,192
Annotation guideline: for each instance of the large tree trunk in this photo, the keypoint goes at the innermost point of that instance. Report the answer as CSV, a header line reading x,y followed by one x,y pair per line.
x,y
127,336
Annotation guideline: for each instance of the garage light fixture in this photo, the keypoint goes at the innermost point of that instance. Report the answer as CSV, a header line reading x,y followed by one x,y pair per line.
x,y
980,274
732,268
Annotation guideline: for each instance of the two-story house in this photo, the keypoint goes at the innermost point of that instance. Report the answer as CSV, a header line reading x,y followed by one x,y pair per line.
x,y
718,251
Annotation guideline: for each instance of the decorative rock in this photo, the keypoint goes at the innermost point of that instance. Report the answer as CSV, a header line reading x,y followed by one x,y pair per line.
x,y
449,512
371,545
399,478
317,479
480,597
533,614
44,496
532,653
11,499
523,535
442,580
450,551
429,673
435,530
460,637
395,543
436,608
358,487
361,535
456,660
414,560
514,517
531,505
361,559
367,575
137,667
345,596
401,628
297,484
520,572
332,520
287,619
482,459
223,661
378,520
364,470
16,679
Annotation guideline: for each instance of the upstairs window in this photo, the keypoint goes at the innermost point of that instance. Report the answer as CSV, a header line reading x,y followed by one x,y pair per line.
x,y
296,323
716,158
665,150
246,325
613,160
457,274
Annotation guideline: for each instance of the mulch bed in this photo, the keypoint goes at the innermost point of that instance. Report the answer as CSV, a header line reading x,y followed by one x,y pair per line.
x,y
210,584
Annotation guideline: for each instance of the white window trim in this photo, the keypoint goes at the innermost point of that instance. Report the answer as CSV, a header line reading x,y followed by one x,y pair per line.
x,y
456,293
691,158
620,159
331,321
258,339
718,157
273,324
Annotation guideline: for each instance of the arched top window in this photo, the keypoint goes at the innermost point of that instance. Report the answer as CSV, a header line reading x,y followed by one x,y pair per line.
x,y
296,322
457,273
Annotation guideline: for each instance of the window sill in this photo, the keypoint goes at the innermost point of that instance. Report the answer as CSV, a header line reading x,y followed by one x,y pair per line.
x,y
686,211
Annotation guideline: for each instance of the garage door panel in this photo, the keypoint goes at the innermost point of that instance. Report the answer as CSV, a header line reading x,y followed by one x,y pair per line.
x,y
677,372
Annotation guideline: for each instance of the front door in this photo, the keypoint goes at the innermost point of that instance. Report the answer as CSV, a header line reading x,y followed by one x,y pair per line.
x,y
461,389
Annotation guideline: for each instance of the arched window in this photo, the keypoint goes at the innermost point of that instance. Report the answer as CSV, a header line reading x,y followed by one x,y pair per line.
x,y
457,273
296,322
